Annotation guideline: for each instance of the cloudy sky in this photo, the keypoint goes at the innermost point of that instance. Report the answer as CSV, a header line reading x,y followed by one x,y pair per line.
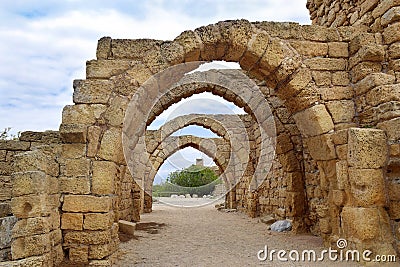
x,y
44,44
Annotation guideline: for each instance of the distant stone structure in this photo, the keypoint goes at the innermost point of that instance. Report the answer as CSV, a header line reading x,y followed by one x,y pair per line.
x,y
334,91
199,162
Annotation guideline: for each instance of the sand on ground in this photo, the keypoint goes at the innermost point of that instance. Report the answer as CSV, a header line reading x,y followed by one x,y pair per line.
x,y
172,236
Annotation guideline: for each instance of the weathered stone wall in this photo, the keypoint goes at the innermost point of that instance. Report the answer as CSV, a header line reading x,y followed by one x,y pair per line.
x,y
375,14
8,150
36,235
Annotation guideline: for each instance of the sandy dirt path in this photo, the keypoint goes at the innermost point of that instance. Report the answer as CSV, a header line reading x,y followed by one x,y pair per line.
x,y
207,237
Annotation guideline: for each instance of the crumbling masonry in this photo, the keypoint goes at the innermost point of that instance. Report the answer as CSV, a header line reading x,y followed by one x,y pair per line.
x,y
334,91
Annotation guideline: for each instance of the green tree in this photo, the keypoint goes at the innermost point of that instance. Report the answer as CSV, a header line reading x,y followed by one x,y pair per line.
x,y
193,176
195,179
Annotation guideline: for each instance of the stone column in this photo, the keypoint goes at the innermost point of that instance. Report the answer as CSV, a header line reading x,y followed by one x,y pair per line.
x,y
364,220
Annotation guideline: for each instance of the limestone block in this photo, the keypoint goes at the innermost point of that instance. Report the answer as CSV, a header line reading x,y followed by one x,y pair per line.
x,y
92,91
82,113
191,45
31,206
392,128
342,175
289,161
361,223
326,63
363,69
297,83
284,144
340,78
93,138
304,100
57,255
394,51
392,33
339,197
319,33
3,154
85,203
394,209
327,174
395,150
214,46
5,188
114,114
336,93
371,81
367,187
36,161
338,49
73,151
73,133
105,173
314,121
104,69
382,94
133,49
33,182
325,225
75,167
6,224
34,245
98,221
5,209
111,146
256,48
103,50
394,65
31,226
307,48
100,252
392,15
294,203
368,53
127,227
322,78
341,151
393,188
294,182
172,52
341,111
87,237
79,254
383,7
14,145
321,147
79,185
367,148
360,40
72,221
340,137
368,5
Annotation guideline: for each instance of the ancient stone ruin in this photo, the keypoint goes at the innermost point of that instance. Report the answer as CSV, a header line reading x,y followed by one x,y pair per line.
x,y
331,90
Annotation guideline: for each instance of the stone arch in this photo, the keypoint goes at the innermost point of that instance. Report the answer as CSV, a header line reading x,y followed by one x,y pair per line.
x,y
216,148
220,124
127,64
